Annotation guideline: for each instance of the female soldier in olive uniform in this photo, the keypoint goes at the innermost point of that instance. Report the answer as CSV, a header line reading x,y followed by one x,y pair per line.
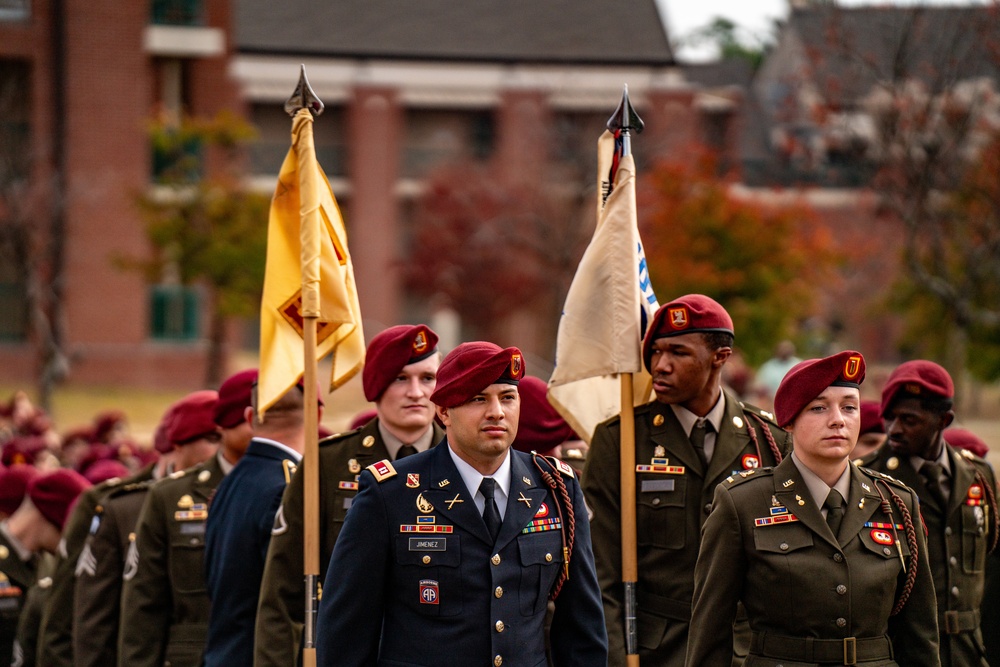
x,y
848,587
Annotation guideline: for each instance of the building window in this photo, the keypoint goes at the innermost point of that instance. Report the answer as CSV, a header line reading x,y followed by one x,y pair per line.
x,y
174,312
437,137
15,10
13,290
177,12
15,114
176,161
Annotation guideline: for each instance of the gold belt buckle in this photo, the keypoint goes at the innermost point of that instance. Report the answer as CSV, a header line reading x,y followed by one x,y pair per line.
x,y
850,651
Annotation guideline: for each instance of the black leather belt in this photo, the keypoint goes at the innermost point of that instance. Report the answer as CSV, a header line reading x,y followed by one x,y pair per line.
x,y
847,651
957,622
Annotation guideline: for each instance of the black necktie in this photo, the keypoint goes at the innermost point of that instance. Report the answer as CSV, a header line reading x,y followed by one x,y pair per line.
x,y
698,431
405,450
931,473
834,510
491,513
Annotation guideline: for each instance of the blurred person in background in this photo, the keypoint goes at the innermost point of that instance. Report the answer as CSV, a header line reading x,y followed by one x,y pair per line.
x,y
872,430
772,371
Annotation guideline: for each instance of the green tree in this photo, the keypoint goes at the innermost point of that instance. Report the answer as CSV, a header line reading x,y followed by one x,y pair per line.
x,y
762,262
207,230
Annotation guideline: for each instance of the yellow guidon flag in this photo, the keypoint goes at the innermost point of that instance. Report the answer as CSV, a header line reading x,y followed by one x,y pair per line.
x,y
308,273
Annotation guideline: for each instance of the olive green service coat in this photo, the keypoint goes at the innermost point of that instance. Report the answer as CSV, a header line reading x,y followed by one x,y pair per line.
x,y
671,509
107,553
806,591
281,610
16,578
166,600
958,537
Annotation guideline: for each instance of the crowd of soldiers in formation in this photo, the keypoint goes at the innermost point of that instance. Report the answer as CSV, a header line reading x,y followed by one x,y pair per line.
x,y
188,551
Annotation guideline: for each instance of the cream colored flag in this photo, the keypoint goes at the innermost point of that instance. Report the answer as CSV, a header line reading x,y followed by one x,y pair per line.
x,y
308,270
609,304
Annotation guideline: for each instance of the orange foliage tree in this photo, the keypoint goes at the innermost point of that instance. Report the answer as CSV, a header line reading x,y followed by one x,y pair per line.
x,y
763,262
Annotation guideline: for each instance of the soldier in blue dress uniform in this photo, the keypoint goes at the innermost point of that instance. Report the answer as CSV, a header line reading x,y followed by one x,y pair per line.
x,y
451,555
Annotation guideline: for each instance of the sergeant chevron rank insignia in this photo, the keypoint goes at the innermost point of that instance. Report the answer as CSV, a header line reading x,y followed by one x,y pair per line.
x,y
131,559
86,563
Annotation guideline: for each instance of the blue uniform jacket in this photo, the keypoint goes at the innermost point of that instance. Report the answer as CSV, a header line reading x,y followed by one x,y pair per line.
x,y
237,535
396,595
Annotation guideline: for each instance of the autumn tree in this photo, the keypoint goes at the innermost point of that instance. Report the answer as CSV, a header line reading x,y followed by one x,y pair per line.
x,y
488,248
762,262
206,230
911,96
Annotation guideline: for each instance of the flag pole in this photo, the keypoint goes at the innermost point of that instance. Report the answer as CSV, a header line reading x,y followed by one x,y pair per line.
x,y
305,98
624,120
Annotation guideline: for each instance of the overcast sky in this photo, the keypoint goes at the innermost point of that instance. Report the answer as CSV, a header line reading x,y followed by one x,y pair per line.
x,y
756,17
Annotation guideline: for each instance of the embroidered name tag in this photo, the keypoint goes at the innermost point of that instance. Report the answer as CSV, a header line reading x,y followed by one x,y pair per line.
x,y
424,544
193,528
653,485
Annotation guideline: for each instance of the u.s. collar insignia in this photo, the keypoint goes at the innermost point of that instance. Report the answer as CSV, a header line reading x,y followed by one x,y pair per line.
x,y
424,505
185,502
443,483
657,420
787,483
354,466
412,480
866,487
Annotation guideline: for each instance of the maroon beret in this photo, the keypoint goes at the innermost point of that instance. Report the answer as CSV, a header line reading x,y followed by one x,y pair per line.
x,y
694,313
13,485
362,418
540,427
871,418
471,367
917,379
193,417
54,494
961,438
103,470
808,379
235,397
392,349
106,422
22,449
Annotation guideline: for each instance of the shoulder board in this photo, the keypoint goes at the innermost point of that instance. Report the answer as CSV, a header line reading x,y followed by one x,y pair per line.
x,y
743,475
754,410
177,474
562,466
874,474
382,470
131,487
288,467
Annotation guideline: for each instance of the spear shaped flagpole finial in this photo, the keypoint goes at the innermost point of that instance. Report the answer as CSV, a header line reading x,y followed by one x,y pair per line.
x,y
625,118
304,97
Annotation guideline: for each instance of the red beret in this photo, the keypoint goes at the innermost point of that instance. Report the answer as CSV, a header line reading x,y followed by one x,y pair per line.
x,y
235,397
22,449
362,418
54,494
694,313
540,427
871,418
106,422
961,438
918,379
193,417
392,349
100,471
808,379
13,485
471,367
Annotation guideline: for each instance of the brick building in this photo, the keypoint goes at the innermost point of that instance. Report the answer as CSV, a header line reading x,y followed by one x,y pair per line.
x,y
408,87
